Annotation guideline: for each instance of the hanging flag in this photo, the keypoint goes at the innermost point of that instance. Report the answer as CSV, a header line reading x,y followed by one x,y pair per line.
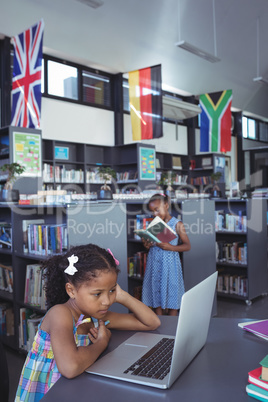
x,y
26,82
216,121
145,98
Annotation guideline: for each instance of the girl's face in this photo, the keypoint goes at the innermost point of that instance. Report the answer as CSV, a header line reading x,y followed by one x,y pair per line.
x,y
159,208
94,297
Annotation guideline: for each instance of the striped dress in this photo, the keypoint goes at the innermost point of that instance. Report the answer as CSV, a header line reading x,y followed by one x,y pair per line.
x,y
40,371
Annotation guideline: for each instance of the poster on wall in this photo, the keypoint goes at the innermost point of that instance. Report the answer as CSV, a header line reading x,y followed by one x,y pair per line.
x,y
147,163
27,152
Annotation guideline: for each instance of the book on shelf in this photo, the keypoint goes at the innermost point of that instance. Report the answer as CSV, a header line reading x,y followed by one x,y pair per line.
x,y
48,172
231,252
232,284
207,162
141,222
44,239
137,264
25,228
5,235
157,231
176,162
6,319
34,293
256,392
234,222
6,278
29,322
137,292
127,175
200,181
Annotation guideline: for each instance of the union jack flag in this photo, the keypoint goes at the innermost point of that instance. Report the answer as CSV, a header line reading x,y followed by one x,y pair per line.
x,y
26,82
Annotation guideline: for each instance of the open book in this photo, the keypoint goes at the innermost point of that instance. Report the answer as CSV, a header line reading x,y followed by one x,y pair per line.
x,y
157,231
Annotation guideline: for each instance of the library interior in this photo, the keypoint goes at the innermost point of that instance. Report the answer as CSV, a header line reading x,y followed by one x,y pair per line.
x,y
104,104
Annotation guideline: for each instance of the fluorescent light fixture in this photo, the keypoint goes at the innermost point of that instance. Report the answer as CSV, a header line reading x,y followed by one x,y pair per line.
x,y
196,51
261,80
92,3
177,109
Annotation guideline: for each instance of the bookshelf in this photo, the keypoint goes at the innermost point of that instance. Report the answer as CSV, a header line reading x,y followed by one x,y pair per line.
x,y
102,223
241,248
73,166
201,168
135,166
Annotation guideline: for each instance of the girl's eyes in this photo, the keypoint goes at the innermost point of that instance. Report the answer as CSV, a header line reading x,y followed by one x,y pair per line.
x,y
98,294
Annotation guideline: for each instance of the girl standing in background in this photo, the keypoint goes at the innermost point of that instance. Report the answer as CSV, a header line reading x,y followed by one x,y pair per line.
x,y
163,284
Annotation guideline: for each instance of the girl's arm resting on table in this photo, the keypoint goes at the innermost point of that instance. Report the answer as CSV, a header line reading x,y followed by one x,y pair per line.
x,y
185,242
141,319
70,359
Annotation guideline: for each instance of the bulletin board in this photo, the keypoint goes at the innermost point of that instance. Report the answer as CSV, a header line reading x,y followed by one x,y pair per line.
x,y
27,152
147,163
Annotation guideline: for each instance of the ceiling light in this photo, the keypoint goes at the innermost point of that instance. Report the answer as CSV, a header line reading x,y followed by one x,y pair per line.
x,y
260,80
177,109
92,3
196,51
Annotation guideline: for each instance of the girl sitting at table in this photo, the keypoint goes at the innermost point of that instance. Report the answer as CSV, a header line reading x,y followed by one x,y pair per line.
x,y
81,285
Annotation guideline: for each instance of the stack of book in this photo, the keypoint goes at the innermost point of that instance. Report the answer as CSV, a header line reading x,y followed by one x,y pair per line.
x,y
258,381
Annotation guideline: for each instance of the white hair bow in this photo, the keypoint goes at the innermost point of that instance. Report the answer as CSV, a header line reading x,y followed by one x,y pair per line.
x,y
71,270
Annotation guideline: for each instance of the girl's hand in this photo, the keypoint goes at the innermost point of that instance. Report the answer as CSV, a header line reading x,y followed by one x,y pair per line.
x,y
100,334
120,294
165,246
147,243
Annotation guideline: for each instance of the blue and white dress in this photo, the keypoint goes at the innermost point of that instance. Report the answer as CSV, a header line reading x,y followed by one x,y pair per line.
x,y
163,284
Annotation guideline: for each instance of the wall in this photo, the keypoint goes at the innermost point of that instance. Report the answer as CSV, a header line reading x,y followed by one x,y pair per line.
x,y
168,143
66,121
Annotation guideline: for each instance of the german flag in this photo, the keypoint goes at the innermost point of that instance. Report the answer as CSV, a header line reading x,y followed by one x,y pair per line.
x,y
216,121
145,98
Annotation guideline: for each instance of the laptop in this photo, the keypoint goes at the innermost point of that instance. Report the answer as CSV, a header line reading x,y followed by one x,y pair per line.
x,y
128,361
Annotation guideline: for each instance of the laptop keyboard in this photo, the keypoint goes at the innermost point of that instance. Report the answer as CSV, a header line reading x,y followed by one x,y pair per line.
x,y
156,362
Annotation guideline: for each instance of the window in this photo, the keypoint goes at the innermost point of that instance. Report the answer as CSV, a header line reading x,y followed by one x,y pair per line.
x,y
249,128
62,80
96,88
245,127
126,106
263,131
43,78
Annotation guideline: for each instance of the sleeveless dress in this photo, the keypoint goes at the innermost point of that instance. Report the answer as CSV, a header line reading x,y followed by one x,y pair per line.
x,y
40,371
163,284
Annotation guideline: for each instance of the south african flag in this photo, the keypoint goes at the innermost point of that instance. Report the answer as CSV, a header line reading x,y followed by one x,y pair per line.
x,y
216,121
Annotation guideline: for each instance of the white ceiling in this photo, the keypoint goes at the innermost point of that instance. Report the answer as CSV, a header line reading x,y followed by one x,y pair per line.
x,y
124,35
